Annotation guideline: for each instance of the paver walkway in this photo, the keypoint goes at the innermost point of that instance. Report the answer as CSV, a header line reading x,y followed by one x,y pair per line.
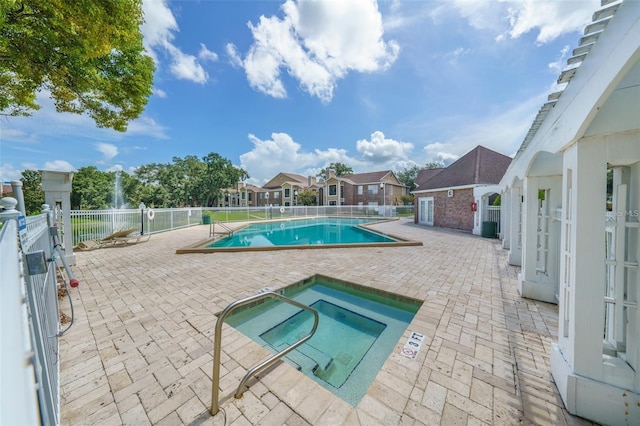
x,y
140,350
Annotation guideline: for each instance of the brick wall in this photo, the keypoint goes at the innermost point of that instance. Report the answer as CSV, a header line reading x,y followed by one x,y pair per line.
x,y
450,212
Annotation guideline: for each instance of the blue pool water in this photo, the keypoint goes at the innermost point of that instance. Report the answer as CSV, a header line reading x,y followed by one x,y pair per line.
x,y
317,231
356,333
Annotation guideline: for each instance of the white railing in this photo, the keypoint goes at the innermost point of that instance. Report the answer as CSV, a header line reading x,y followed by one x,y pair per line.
x,y
492,214
29,305
96,224
234,214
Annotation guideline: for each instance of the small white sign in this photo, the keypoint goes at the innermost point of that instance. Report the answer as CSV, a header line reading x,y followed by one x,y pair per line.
x,y
413,345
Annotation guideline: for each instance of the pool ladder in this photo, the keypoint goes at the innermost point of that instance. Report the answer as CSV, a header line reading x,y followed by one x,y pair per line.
x,y
212,229
258,368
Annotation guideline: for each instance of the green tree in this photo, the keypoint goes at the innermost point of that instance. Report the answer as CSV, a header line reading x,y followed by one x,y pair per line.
x,y
91,189
87,54
151,190
340,169
407,200
408,177
433,165
32,191
307,197
218,174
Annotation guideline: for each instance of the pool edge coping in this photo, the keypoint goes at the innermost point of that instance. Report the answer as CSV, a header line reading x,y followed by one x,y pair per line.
x,y
401,242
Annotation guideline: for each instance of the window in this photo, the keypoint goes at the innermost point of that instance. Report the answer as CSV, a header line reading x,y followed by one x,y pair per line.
x,y
333,189
249,196
341,191
360,189
332,203
243,195
372,189
276,195
286,192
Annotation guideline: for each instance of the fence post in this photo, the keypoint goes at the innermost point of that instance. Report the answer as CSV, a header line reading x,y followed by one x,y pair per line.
x,y
9,209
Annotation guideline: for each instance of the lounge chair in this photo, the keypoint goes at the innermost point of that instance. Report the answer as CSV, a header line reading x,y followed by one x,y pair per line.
x,y
125,236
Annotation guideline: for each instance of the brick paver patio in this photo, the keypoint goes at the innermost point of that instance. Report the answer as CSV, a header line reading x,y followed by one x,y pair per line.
x,y
140,350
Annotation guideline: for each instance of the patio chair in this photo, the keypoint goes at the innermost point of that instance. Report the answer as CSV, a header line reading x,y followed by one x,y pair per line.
x,y
125,236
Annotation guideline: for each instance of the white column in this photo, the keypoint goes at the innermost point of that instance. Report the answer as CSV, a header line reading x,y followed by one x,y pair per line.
x,y
591,384
527,276
515,243
57,192
505,218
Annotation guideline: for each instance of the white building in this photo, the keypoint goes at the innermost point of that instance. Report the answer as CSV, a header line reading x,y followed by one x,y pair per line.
x,y
577,237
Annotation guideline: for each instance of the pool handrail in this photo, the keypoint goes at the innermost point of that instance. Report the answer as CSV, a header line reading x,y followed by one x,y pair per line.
x,y
263,365
212,229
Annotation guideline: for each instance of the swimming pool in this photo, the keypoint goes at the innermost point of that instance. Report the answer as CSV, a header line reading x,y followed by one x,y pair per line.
x,y
358,329
326,232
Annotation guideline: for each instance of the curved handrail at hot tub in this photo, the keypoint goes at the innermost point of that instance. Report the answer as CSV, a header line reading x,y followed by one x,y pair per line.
x,y
262,365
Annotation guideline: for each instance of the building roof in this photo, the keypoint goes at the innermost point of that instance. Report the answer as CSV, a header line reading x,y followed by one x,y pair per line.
x,y
297,178
479,166
369,177
253,188
6,189
426,174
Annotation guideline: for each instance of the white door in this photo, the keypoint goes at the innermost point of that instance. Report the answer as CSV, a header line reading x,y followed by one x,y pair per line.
x,y
425,211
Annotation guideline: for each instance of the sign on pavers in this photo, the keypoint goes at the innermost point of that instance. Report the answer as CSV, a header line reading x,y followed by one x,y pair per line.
x,y
411,348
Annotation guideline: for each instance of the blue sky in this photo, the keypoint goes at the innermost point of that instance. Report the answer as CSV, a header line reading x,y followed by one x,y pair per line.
x,y
292,86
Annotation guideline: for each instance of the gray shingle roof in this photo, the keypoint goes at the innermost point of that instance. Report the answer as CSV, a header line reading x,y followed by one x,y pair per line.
x,y
479,166
426,174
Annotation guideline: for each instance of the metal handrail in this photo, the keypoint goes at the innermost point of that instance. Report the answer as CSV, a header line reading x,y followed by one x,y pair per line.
x,y
262,365
212,228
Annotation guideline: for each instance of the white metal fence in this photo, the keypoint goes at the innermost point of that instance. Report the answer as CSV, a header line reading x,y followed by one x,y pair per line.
x,y
30,323
97,224
492,214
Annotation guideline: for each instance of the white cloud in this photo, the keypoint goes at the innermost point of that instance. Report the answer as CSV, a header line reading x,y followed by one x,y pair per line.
x,y
206,55
382,150
438,153
453,56
316,43
115,168
512,19
502,132
551,18
186,67
234,56
108,150
9,173
58,165
159,93
558,65
270,157
282,154
146,125
158,34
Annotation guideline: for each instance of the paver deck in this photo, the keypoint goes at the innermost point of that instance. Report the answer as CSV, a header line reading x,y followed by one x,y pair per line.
x,y
140,350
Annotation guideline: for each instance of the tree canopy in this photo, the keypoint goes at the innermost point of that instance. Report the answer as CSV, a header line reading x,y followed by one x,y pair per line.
x,y
32,191
340,169
88,55
189,181
408,175
307,197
